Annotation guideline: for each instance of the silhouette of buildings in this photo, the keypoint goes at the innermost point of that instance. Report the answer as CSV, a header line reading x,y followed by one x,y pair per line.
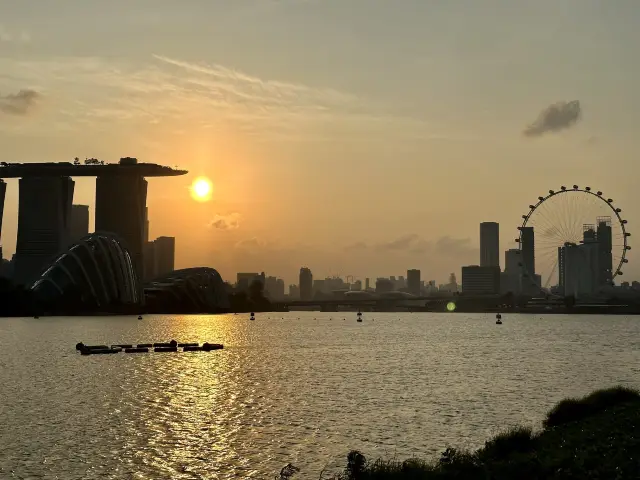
x,y
244,280
44,215
164,255
79,226
479,280
413,281
294,292
306,284
585,268
528,259
121,209
384,285
274,288
489,244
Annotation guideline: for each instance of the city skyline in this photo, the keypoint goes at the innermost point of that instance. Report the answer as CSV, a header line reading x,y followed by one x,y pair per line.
x,y
330,146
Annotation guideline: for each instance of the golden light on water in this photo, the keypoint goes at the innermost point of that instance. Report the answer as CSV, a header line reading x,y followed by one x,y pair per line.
x,y
201,189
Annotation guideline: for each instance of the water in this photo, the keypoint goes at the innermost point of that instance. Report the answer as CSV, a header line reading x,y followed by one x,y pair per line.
x,y
304,389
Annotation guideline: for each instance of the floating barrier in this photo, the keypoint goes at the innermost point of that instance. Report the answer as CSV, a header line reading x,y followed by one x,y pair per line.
x,y
136,350
160,347
191,348
165,349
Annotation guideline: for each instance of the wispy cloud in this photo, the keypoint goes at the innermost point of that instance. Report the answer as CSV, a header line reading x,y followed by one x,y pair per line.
x,y
230,221
20,103
556,117
413,243
165,90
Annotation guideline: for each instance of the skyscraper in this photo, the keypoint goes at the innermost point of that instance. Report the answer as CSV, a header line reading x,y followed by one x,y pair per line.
x,y
489,244
527,247
44,215
79,226
165,255
413,281
512,261
120,209
306,284
605,258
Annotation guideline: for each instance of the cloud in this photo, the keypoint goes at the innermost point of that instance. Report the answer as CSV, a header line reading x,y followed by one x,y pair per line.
x,y
165,91
7,36
454,246
355,247
411,243
225,222
556,117
20,103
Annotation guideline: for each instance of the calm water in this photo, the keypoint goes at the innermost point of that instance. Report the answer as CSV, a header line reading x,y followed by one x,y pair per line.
x,y
304,389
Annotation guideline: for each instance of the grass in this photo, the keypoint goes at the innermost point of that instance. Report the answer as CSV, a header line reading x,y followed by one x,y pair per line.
x,y
597,436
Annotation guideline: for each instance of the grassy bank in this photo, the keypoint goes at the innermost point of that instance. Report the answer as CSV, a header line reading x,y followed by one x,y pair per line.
x,y
597,436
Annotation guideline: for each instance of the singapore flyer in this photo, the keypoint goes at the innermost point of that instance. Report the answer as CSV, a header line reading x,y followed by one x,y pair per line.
x,y
573,241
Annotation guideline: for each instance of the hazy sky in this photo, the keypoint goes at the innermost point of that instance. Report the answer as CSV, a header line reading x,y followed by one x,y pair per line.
x,y
357,137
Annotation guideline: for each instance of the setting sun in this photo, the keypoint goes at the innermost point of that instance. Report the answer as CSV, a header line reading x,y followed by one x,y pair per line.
x,y
201,189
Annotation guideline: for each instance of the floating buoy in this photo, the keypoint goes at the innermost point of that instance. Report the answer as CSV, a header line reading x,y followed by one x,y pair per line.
x,y
139,317
36,317
498,319
79,346
359,316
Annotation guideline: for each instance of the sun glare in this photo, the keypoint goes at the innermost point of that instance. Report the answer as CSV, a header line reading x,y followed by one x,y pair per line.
x,y
201,189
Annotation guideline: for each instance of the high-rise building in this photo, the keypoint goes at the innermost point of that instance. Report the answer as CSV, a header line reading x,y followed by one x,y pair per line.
x,y
478,280
356,286
3,191
149,262
384,285
244,280
44,214
120,209
274,288
489,244
413,281
367,284
605,246
79,227
527,247
165,255
306,284
294,292
512,261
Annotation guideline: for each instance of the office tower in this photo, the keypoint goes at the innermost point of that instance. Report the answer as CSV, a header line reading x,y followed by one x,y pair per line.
x,y
384,285
306,284
79,227
605,247
44,215
527,248
274,288
366,284
512,261
120,209
149,262
165,255
3,191
244,280
489,244
413,281
294,292
478,280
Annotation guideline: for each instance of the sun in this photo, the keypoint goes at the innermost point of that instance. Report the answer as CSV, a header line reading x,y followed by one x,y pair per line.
x,y
201,189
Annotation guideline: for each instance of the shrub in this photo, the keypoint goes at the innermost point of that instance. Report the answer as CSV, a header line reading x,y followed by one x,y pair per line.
x,y
574,409
515,440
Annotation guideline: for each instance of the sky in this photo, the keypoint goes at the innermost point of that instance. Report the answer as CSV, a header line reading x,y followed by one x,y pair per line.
x,y
355,137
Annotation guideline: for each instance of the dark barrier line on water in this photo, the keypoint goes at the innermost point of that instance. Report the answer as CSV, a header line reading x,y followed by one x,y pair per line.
x,y
159,347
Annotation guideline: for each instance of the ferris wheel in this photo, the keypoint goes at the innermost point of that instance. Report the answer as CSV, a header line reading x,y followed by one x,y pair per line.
x,y
565,218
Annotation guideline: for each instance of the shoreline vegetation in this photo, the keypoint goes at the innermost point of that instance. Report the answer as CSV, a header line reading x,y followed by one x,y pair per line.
x,y
596,436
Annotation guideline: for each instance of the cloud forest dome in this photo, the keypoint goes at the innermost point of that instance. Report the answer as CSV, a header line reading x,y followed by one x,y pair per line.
x,y
97,271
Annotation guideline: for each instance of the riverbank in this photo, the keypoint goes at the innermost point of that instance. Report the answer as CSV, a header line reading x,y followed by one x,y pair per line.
x,y
597,436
